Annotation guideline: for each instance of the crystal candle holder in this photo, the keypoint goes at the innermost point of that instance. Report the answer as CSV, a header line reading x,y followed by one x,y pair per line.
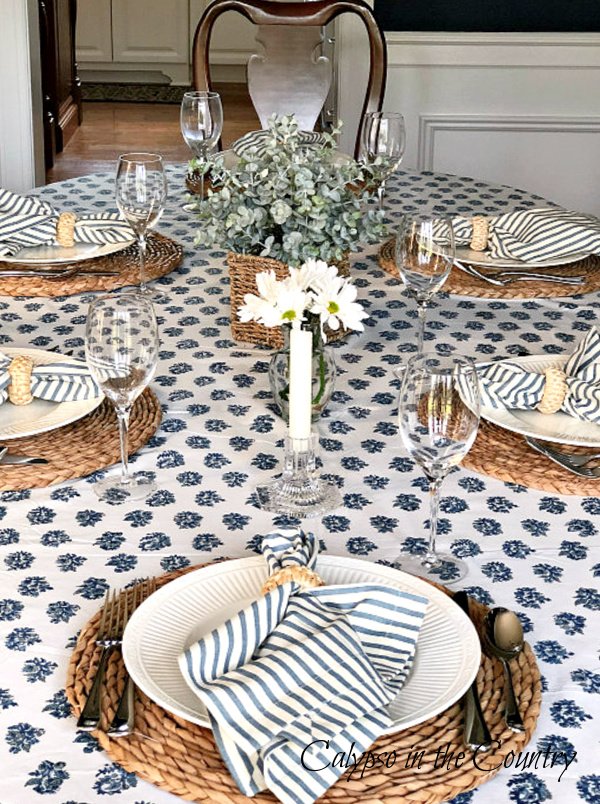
x,y
299,491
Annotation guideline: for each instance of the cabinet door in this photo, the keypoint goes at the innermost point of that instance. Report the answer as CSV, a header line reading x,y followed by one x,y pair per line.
x,y
233,38
150,31
94,38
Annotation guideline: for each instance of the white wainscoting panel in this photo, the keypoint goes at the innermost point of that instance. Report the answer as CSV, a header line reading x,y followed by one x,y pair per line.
x,y
519,151
517,109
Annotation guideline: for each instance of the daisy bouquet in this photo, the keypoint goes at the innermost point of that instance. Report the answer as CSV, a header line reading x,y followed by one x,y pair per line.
x,y
313,296
312,301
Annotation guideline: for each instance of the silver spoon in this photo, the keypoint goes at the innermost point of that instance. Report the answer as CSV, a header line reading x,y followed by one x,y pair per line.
x,y
504,639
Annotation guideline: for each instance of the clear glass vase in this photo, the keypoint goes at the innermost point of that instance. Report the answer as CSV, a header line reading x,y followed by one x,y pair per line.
x,y
323,374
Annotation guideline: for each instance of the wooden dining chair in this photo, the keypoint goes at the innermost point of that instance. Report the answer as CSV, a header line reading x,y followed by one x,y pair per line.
x,y
290,76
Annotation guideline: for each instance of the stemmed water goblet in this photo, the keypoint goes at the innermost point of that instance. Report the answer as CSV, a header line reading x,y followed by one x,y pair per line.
x,y
383,135
141,190
201,120
438,416
121,346
424,257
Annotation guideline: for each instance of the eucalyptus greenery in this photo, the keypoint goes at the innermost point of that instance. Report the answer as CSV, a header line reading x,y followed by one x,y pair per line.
x,y
292,202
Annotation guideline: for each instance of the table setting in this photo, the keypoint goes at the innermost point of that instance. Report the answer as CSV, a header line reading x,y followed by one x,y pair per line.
x,y
222,578
50,252
529,253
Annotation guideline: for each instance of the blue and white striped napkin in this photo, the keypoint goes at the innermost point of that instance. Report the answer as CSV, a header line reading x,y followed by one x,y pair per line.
x,y
535,235
67,381
256,143
507,384
27,221
303,674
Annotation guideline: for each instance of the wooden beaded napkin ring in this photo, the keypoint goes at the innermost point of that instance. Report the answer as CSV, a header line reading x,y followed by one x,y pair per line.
x,y
480,233
65,229
301,575
554,391
19,390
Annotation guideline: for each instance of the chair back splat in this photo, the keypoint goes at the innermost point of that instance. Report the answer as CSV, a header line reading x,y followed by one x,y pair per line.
x,y
291,75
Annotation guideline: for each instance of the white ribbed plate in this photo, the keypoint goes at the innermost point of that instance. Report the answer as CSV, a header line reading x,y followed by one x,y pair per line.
x,y
59,255
41,416
557,427
447,657
484,260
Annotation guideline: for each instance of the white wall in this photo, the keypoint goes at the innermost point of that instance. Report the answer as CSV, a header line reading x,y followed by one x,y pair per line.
x,y
516,109
21,134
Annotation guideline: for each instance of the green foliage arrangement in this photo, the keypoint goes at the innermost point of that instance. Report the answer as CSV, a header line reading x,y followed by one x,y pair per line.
x,y
291,202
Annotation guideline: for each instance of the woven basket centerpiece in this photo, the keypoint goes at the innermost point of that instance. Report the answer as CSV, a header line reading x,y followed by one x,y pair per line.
x,y
243,269
293,200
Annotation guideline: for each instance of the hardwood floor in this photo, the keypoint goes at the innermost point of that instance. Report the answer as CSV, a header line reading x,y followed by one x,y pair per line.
x,y
110,129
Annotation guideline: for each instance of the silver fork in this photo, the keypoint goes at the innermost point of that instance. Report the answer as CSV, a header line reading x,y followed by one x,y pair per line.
x,y
123,721
573,463
503,278
110,632
118,608
61,273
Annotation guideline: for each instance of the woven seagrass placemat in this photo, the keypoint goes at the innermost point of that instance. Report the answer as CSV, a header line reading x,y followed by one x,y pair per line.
x,y
506,456
80,448
163,255
182,757
463,284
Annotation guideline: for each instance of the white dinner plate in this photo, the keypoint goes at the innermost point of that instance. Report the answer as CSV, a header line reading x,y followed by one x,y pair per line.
x,y
484,260
556,427
446,661
59,255
40,416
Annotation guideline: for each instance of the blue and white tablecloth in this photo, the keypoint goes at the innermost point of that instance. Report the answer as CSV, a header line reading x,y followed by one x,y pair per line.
x,y
61,548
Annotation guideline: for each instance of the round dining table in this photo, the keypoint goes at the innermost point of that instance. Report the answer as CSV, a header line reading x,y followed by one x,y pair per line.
x,y
534,552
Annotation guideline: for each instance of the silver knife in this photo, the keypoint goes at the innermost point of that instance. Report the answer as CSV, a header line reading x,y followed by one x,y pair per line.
x,y
504,277
476,734
6,459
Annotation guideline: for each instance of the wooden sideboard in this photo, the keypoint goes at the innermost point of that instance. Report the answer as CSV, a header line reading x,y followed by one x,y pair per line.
x,y
60,82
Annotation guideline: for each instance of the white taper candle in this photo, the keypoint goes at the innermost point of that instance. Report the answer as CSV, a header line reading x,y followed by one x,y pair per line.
x,y
300,383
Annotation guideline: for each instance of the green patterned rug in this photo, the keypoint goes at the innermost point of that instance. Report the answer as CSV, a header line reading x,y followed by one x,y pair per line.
x,y
132,93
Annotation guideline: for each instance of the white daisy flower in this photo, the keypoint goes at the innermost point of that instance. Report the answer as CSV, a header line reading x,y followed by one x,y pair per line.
x,y
267,286
291,306
311,274
335,303
254,308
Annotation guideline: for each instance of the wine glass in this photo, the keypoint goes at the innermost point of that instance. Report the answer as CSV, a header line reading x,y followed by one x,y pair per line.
x,y
141,189
201,119
424,258
438,416
121,346
383,135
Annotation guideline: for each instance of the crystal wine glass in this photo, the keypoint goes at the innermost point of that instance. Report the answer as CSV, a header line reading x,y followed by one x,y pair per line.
x,y
383,135
141,189
201,120
424,263
438,416
121,345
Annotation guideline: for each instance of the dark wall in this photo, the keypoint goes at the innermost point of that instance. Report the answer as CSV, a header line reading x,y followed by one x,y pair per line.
x,y
488,15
